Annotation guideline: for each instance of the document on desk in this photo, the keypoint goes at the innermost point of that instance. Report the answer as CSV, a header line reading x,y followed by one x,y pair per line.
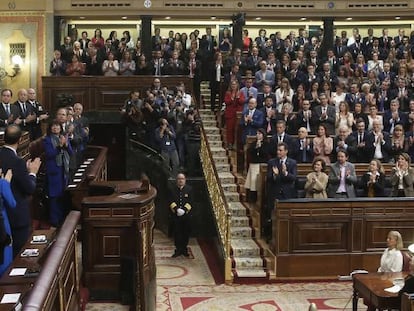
x,y
393,289
10,298
128,196
18,272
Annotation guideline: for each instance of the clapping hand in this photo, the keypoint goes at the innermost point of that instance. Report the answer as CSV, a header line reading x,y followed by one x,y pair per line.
x,y
275,170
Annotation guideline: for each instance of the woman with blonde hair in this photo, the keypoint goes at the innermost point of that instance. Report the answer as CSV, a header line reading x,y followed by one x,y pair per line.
x,y
373,181
317,180
392,258
283,94
402,177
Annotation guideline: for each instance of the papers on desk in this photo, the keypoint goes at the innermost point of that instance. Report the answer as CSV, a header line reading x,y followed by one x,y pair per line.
x,y
18,272
30,252
39,239
128,196
10,298
394,289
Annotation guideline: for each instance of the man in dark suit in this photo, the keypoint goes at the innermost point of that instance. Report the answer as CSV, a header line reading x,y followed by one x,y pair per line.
x,y
23,184
41,114
325,114
267,92
364,143
344,141
26,115
394,116
281,177
385,39
302,147
280,137
8,112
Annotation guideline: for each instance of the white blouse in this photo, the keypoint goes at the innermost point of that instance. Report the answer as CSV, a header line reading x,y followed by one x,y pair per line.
x,y
391,261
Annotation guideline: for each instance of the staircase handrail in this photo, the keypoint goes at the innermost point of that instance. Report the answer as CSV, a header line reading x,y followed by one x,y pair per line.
x,y
220,207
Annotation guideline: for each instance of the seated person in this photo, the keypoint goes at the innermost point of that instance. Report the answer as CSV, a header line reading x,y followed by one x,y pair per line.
x,y
409,281
317,180
392,258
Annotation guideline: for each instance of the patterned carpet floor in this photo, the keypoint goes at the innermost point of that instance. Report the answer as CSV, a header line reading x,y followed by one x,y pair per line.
x,y
186,284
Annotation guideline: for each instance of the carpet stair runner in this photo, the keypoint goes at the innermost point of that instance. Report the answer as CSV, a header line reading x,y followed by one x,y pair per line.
x,y
246,254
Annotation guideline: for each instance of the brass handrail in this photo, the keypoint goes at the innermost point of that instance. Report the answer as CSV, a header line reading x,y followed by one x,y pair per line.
x,y
221,209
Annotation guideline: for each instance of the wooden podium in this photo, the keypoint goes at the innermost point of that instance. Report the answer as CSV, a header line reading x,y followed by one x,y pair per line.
x,y
118,227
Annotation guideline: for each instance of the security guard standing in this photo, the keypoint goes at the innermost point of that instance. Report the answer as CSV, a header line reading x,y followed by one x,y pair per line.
x,y
181,205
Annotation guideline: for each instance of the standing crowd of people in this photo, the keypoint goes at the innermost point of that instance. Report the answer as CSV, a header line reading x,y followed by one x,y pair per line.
x,y
165,119
62,147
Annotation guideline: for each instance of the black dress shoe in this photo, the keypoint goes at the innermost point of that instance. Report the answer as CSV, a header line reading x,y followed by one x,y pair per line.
x,y
186,254
175,255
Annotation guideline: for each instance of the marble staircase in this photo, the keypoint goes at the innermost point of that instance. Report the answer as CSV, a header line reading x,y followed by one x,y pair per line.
x,y
247,255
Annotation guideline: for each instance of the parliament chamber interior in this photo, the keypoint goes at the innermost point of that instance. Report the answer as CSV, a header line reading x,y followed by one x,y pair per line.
x,y
279,135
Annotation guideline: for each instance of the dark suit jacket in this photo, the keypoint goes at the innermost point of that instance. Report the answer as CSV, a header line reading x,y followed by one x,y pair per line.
x,y
329,122
351,148
274,141
302,155
281,187
387,117
363,153
24,114
378,185
3,115
385,148
22,185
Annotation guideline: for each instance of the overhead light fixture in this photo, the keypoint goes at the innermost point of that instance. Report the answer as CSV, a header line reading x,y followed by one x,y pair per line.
x,y
349,18
398,17
213,17
124,17
168,17
258,18
303,18
81,17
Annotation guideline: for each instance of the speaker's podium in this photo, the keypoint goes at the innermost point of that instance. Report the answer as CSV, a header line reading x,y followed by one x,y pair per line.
x,y
117,244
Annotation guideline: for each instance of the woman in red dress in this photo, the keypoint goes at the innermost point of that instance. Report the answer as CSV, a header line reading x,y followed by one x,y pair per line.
x,y
234,100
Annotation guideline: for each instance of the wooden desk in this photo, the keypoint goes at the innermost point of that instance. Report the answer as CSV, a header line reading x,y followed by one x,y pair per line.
x,y
31,263
371,287
114,228
23,289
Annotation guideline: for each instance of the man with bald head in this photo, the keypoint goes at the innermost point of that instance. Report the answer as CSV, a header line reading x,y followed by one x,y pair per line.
x,y
38,110
381,142
26,115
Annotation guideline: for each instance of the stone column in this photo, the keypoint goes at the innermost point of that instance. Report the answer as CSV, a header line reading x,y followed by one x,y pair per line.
x,y
327,42
146,36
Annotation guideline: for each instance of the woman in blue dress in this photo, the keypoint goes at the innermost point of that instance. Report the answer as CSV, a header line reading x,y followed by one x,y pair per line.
x,y
57,153
9,202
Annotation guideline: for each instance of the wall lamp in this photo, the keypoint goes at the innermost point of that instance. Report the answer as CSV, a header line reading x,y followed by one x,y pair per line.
x,y
17,61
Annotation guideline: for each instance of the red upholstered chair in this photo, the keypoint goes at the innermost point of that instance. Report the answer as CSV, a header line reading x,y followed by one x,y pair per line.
x,y
406,261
